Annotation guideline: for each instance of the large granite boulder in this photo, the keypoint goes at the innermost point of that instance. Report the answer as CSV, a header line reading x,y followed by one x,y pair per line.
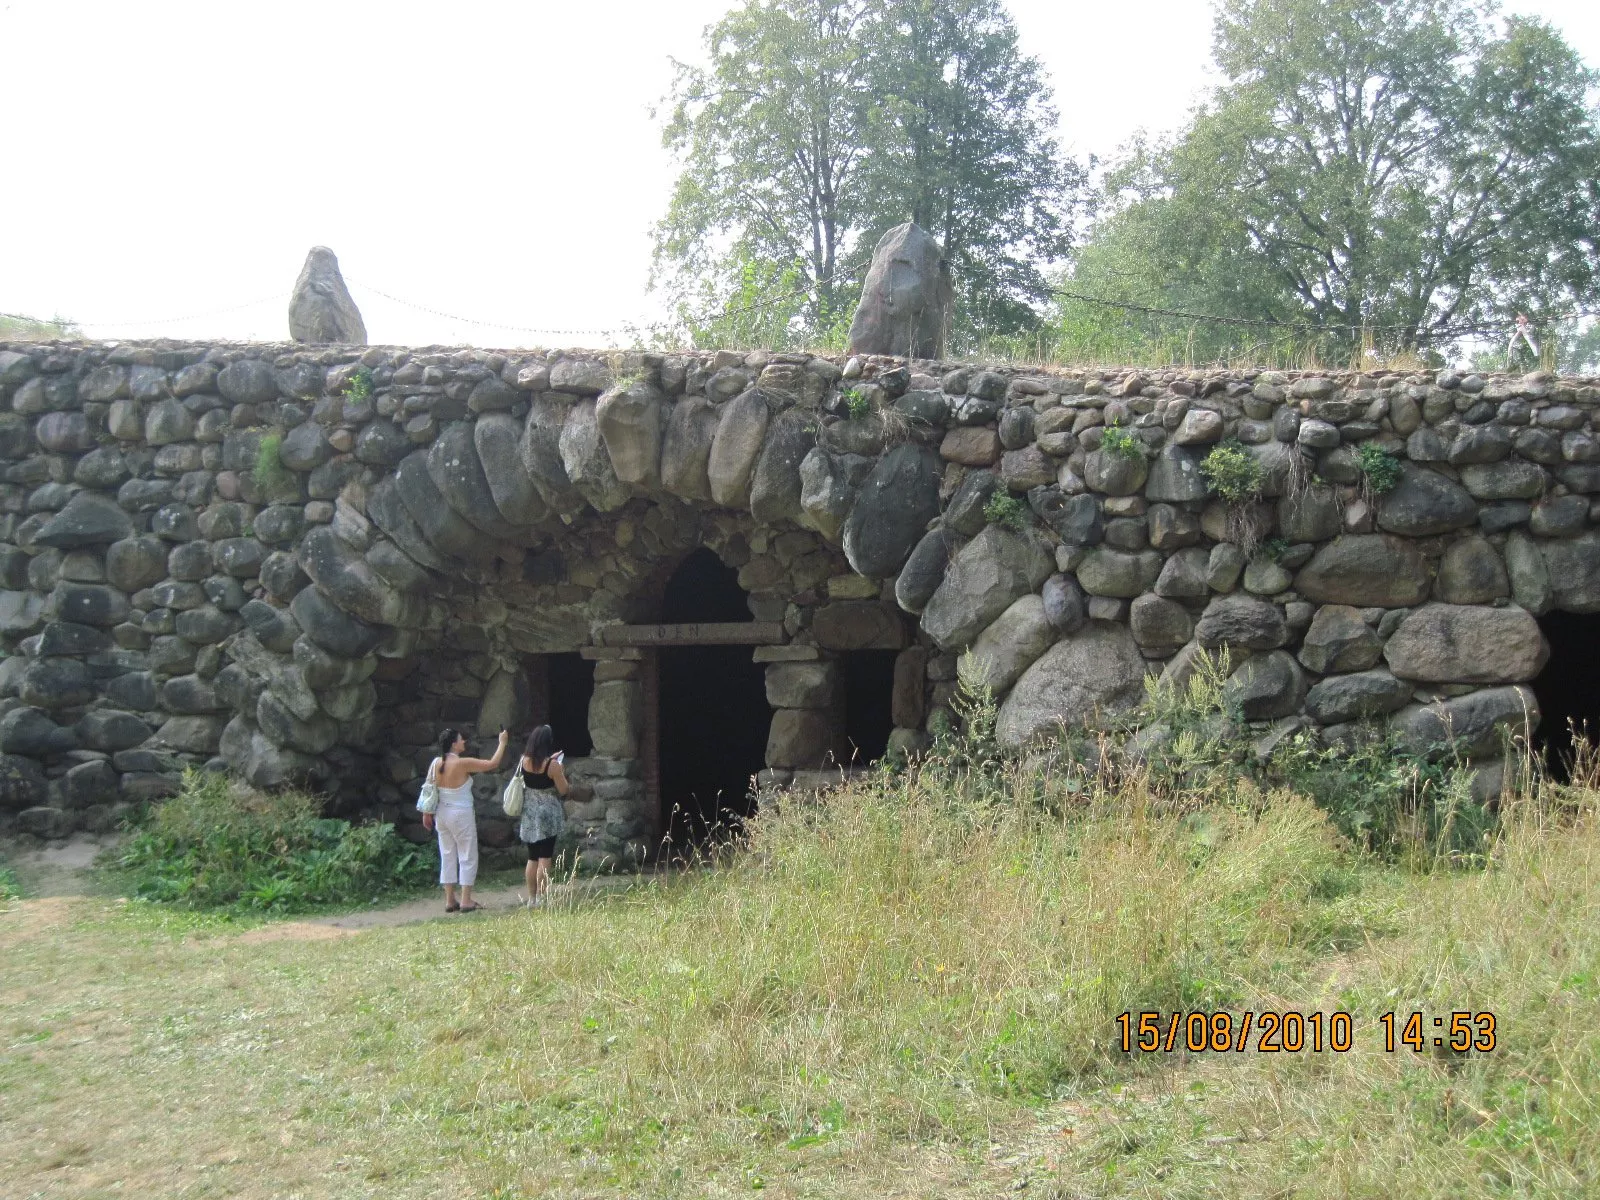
x,y
1096,672
775,484
1476,725
987,575
444,528
896,502
741,432
320,308
333,629
1242,622
1572,566
924,570
1011,644
829,485
1366,570
1467,643
1119,573
459,475
906,299
541,452
89,519
1352,697
686,448
1472,572
496,437
1266,686
1425,502
1339,641
631,417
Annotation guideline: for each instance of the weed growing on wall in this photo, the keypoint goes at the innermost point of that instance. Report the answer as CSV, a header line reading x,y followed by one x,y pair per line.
x,y
1233,473
359,388
1121,443
857,403
1380,470
270,474
217,845
1005,510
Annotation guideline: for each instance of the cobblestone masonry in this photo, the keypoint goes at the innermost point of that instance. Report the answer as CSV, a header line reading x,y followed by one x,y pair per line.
x,y
300,561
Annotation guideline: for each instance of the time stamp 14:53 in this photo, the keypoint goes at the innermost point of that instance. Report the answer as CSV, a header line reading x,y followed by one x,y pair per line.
x,y
1292,1032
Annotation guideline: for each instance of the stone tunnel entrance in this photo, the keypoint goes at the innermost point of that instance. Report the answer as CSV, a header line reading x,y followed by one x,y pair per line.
x,y
868,704
1568,689
713,713
559,690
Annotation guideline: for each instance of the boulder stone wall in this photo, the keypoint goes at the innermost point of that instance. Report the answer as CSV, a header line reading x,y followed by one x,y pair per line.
x,y
299,562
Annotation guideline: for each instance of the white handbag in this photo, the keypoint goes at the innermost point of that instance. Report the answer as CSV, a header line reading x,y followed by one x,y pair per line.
x,y
511,799
428,798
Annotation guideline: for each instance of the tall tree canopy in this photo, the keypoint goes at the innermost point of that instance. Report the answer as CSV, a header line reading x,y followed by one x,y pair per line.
x,y
818,124
1403,166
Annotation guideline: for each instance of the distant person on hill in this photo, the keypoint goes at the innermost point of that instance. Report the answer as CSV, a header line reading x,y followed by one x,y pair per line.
x,y
458,824
543,815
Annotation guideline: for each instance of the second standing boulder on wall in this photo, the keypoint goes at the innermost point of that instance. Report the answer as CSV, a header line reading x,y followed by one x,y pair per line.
x,y
320,307
905,302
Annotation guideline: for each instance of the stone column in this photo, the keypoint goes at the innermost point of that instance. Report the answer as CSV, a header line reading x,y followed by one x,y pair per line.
x,y
609,806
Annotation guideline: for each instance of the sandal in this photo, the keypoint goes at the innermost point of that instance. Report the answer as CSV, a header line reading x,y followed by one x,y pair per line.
x,y
466,908
452,907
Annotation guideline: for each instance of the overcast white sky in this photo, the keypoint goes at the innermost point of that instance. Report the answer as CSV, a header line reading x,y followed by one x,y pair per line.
x,y
495,161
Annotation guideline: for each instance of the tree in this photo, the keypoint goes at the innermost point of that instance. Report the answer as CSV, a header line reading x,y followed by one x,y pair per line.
x,y
770,138
818,124
967,152
1388,166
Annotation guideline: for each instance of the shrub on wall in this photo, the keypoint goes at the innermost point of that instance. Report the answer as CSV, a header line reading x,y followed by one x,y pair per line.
x,y
217,845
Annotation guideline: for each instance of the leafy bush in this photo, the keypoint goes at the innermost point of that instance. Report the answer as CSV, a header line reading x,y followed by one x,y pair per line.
x,y
359,388
1004,509
1380,469
1232,473
1121,443
217,845
10,889
856,401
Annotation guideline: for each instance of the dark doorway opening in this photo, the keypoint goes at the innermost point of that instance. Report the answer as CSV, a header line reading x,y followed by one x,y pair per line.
x,y
713,711
868,704
559,689
1567,688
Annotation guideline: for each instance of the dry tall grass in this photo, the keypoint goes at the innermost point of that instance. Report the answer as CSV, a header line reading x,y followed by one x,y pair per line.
x,y
906,987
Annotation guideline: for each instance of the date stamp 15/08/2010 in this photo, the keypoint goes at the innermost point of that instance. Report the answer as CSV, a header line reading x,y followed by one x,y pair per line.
x,y
1292,1032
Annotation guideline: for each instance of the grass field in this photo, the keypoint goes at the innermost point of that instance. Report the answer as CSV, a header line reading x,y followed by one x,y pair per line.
x,y
904,990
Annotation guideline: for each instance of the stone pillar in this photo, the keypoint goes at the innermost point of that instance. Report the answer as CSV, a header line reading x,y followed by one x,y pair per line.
x,y
807,720
610,805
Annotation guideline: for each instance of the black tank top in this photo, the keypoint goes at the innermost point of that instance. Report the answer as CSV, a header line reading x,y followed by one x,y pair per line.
x,y
536,780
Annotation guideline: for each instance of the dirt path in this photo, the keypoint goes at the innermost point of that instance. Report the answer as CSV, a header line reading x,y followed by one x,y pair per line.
x,y
492,899
67,869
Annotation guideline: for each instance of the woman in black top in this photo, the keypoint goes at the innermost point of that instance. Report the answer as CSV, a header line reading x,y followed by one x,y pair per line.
x,y
544,817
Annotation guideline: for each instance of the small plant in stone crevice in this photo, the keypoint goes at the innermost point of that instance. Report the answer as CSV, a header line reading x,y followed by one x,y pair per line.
x,y
1005,510
857,403
359,388
1121,443
269,469
1273,549
1380,470
1235,476
1233,473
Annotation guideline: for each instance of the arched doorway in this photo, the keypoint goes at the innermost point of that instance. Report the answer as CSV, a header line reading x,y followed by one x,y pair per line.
x,y
713,710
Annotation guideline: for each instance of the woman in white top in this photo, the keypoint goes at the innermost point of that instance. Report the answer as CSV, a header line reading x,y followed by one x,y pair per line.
x,y
458,825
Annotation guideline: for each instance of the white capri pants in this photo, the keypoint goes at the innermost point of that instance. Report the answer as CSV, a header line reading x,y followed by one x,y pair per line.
x,y
458,844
